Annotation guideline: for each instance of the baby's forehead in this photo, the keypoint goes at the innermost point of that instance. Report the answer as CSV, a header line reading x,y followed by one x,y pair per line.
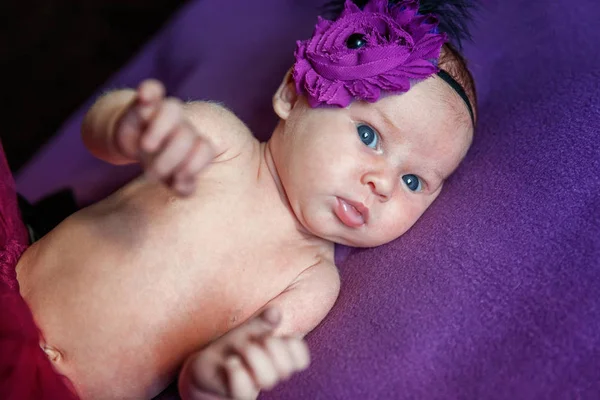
x,y
429,105
426,121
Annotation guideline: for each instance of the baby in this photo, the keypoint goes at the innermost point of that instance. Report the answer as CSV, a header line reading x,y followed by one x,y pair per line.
x,y
218,260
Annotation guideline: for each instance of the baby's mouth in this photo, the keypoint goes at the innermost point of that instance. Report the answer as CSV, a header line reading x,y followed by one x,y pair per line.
x,y
351,214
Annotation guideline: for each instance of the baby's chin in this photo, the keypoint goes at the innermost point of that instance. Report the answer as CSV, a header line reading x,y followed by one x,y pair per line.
x,y
354,237
328,227
363,241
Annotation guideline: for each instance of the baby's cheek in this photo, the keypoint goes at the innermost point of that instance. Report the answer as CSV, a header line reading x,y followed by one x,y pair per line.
x,y
397,223
396,228
380,233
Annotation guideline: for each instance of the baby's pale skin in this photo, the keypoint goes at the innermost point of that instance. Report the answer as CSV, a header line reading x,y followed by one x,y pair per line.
x,y
225,240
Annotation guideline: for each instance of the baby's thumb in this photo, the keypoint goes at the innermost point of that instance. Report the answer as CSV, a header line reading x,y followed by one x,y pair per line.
x,y
271,316
263,324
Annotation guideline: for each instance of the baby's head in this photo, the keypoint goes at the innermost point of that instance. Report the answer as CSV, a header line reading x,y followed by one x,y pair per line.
x,y
369,128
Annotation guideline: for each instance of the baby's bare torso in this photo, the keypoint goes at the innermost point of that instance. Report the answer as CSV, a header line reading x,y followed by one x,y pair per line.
x,y
125,289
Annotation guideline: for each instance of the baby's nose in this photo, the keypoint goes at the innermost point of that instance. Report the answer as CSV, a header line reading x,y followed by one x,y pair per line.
x,y
382,184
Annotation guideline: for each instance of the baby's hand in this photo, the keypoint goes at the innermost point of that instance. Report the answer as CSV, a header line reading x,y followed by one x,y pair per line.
x,y
243,362
154,131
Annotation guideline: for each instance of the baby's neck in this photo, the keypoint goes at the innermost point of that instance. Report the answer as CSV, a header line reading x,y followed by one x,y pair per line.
x,y
269,169
269,175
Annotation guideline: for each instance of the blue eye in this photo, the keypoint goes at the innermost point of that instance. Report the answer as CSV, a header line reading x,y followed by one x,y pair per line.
x,y
412,182
368,136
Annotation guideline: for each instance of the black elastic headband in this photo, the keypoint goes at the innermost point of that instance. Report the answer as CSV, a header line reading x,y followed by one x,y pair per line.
x,y
458,89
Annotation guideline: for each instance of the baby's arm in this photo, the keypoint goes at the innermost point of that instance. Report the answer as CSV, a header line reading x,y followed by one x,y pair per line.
x,y
267,348
173,141
307,300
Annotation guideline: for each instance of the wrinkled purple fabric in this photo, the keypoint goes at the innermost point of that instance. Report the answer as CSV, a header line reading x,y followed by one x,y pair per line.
x,y
399,48
495,293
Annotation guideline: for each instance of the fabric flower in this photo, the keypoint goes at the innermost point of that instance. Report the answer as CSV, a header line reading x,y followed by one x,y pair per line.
x,y
366,52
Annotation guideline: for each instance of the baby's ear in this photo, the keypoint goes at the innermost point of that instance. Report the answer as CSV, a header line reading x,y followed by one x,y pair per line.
x,y
285,97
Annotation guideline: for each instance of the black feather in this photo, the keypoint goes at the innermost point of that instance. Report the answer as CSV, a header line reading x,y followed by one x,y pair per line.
x,y
455,15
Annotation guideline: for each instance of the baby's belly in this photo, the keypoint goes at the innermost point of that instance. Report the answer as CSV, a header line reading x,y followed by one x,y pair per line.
x,y
120,311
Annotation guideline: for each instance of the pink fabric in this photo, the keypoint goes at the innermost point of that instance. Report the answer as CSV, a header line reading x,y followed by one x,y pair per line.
x,y
13,234
25,371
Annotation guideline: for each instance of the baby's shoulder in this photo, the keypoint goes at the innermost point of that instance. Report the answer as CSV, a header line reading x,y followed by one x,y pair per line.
x,y
221,126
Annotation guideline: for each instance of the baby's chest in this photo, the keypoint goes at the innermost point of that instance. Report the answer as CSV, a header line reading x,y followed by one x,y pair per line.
x,y
226,277
225,245
228,241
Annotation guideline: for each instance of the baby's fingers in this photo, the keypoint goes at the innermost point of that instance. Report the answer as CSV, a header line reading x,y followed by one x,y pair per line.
x,y
260,365
150,95
299,353
274,360
150,91
129,126
241,384
184,179
167,117
128,129
281,357
256,328
176,149
287,354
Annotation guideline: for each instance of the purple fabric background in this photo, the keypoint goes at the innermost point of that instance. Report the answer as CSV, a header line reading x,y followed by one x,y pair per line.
x,y
495,293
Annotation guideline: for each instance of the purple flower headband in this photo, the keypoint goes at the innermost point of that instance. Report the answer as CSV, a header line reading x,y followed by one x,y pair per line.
x,y
366,52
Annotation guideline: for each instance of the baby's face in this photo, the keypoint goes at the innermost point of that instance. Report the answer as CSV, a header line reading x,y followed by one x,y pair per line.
x,y
363,175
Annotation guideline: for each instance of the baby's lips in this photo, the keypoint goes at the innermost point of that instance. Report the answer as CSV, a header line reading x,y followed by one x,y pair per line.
x,y
351,214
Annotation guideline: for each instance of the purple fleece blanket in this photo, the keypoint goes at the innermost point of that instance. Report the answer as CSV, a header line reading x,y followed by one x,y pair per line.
x,y
495,293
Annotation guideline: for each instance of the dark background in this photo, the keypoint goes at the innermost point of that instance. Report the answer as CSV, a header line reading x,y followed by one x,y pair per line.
x,y
55,53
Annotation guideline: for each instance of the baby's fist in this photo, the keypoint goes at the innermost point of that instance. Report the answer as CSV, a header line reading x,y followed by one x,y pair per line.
x,y
155,131
243,361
